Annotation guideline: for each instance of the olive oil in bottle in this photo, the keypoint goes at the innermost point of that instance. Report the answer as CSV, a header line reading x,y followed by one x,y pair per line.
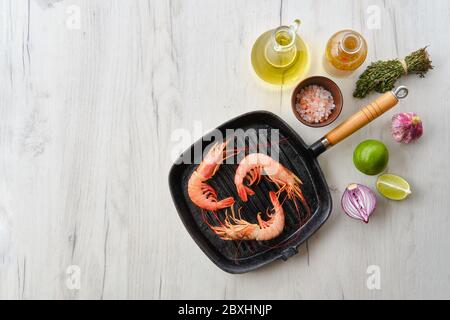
x,y
280,56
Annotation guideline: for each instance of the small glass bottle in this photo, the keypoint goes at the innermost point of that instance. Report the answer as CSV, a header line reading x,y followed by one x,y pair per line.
x,y
280,56
346,51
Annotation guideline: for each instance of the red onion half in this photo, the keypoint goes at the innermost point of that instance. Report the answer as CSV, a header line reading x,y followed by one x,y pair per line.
x,y
359,202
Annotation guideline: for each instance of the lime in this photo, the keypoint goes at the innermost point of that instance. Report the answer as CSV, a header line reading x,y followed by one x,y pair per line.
x,y
393,187
371,157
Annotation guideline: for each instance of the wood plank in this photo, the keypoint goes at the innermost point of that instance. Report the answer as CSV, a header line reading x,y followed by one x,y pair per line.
x,y
91,117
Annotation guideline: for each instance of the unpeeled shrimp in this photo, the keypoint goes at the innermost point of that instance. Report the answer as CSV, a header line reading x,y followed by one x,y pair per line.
x,y
238,229
201,193
254,165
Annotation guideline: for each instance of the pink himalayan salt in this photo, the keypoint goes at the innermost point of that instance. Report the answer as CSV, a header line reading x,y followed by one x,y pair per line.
x,y
314,104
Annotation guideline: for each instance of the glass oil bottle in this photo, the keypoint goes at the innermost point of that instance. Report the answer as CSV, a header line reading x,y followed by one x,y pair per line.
x,y
346,51
280,56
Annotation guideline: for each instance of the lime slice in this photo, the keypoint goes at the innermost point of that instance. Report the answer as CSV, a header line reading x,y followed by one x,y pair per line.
x,y
393,187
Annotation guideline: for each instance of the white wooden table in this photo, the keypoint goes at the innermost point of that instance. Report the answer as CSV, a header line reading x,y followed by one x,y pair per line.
x,y
90,94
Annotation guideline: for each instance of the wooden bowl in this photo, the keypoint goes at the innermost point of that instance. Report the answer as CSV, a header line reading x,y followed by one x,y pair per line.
x,y
329,85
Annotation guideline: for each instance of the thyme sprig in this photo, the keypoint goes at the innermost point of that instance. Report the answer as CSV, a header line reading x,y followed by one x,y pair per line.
x,y
382,75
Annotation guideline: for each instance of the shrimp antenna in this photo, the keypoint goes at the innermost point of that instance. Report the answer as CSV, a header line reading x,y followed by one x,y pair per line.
x,y
233,152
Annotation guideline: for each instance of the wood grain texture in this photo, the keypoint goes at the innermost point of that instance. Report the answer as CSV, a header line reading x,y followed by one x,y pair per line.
x,y
87,122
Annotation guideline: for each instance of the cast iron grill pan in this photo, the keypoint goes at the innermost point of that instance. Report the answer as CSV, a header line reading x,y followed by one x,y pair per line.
x,y
244,256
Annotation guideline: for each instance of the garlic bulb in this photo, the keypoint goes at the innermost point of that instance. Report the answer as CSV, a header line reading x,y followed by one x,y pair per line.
x,y
359,202
406,127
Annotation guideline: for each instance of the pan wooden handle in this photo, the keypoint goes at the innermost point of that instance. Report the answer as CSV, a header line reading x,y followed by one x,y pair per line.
x,y
359,119
362,118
